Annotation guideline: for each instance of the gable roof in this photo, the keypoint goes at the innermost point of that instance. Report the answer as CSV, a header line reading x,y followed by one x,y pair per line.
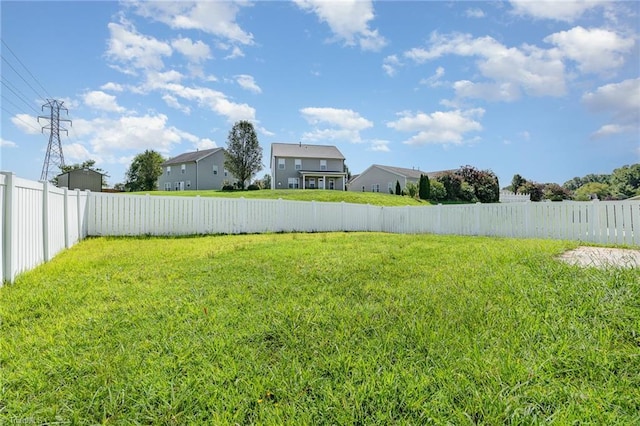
x,y
410,173
191,157
298,150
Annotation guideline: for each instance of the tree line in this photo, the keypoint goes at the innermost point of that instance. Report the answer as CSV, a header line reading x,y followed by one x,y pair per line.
x,y
622,183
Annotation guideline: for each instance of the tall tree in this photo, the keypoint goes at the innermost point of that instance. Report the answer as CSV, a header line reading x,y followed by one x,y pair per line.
x,y
517,182
144,172
625,181
88,164
243,156
398,188
424,187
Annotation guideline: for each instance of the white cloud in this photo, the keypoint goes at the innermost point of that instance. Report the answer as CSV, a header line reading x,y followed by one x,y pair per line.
x,y
434,80
440,127
595,50
213,17
131,48
379,145
27,123
236,52
248,83
114,87
506,92
567,11
344,124
622,102
111,137
205,144
173,102
474,12
390,64
4,143
195,52
98,99
77,153
348,20
535,71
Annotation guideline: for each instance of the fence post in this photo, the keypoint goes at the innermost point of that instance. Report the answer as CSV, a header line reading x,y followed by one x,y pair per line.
x,y
78,217
527,220
595,221
477,211
66,218
439,221
45,220
10,231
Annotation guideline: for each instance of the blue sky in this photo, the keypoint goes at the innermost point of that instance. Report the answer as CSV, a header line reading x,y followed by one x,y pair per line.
x,y
549,90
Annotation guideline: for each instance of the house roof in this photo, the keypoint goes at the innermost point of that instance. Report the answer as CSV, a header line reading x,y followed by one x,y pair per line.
x,y
298,150
84,171
191,157
410,173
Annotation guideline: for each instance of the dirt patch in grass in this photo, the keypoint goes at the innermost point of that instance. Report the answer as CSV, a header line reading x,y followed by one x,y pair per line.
x,y
601,257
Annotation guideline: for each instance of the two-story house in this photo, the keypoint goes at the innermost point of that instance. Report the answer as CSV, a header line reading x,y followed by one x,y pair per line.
x,y
195,170
301,166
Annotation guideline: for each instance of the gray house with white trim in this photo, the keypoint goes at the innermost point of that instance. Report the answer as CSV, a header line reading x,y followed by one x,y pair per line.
x,y
379,178
195,170
302,166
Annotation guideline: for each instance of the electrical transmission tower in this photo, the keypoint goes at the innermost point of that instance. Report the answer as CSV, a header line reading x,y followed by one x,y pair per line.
x,y
54,156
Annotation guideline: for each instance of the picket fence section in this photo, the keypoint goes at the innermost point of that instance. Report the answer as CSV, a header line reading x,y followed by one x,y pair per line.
x,y
39,220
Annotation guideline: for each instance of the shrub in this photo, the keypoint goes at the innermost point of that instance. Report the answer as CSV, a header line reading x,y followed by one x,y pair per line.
x,y
438,193
424,187
228,188
411,189
253,187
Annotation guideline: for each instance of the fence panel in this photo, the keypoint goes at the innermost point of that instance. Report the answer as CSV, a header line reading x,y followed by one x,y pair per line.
x,y
39,220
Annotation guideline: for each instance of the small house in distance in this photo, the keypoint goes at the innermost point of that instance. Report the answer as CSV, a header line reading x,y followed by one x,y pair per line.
x,y
379,178
302,166
82,179
197,170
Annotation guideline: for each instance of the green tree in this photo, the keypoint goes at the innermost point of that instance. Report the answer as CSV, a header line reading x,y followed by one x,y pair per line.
x,y
452,185
517,182
438,193
535,190
424,187
243,156
144,171
625,181
85,165
585,192
411,189
398,188
486,188
266,181
555,192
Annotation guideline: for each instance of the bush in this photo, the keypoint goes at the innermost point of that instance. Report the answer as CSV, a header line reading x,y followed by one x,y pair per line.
x,y
228,188
438,193
253,187
411,189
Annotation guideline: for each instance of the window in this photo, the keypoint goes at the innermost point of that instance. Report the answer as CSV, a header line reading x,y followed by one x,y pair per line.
x,y
226,173
293,183
167,186
323,164
298,164
215,169
281,163
312,183
168,170
375,187
332,184
183,168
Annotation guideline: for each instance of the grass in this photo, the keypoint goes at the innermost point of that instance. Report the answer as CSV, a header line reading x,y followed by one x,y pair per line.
x,y
336,328
373,198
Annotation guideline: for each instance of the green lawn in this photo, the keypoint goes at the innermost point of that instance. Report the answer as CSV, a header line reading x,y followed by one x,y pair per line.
x,y
336,328
373,198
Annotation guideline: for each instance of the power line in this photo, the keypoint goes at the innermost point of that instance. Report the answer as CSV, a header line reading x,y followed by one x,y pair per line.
x,y
19,119
27,69
19,94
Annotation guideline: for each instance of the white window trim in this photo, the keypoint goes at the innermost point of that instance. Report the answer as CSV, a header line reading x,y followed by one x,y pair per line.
x,y
281,164
323,164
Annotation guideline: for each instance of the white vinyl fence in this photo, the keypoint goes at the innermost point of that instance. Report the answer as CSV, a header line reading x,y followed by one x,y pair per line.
x,y
39,220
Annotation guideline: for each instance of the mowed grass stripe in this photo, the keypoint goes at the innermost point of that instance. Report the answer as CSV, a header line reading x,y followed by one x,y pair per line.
x,y
336,328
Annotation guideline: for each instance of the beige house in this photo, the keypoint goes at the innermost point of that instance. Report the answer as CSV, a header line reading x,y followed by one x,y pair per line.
x,y
302,166
379,178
